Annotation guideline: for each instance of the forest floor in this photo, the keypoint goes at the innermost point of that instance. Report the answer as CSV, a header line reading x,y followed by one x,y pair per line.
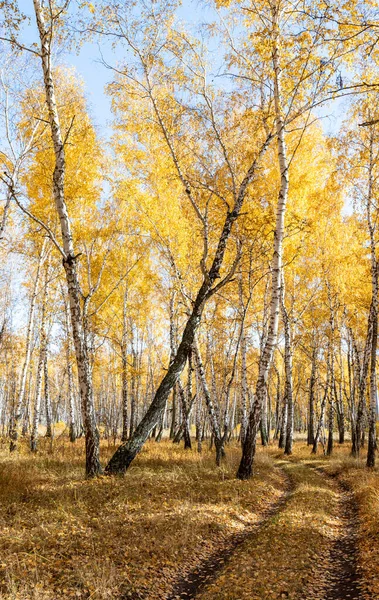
x,y
175,526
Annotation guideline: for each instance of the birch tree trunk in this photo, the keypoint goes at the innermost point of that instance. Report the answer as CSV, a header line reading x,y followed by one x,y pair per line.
x,y
312,384
125,454
283,423
246,465
244,390
288,372
73,427
199,416
331,386
213,416
373,314
40,367
13,432
80,336
362,369
331,410
277,405
49,427
321,421
124,374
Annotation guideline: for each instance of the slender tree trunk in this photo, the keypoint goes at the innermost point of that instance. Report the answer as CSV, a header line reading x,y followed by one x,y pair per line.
x,y
78,316
263,423
133,391
312,384
288,372
320,426
185,417
283,424
40,367
199,416
27,406
174,424
374,319
28,349
124,360
269,416
330,425
339,399
125,454
244,390
213,416
124,376
246,465
277,406
49,428
321,421
362,368
73,426
331,391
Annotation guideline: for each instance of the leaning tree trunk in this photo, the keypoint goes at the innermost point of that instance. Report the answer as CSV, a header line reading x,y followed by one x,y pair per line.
x,y
246,465
126,453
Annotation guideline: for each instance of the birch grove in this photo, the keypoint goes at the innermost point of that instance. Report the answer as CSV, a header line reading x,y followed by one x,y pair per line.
x,y
208,269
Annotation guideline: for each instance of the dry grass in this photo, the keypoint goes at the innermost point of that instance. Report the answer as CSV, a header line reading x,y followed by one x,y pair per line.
x,y
128,537
133,537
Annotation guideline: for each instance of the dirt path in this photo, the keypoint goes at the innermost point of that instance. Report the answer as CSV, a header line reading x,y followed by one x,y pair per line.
x,y
343,576
193,582
330,572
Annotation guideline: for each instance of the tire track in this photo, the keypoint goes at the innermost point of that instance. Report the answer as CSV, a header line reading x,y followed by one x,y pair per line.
x,y
343,578
191,584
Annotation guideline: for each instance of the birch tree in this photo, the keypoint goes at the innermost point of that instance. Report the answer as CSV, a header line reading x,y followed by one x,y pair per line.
x,y
145,36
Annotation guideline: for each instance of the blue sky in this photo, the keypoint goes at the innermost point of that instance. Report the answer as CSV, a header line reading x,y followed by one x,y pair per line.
x,y
88,62
96,75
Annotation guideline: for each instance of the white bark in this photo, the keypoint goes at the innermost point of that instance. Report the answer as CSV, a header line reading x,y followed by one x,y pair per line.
x,y
373,312
80,334
28,349
288,371
246,465
41,361
49,427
